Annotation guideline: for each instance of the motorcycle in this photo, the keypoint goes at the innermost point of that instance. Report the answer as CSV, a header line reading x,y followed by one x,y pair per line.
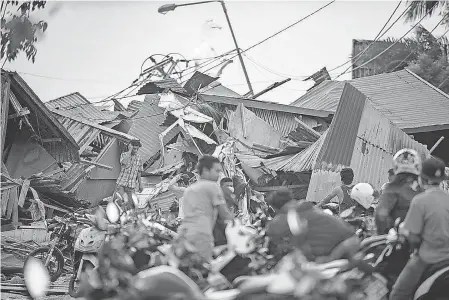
x,y
62,239
393,258
88,243
358,222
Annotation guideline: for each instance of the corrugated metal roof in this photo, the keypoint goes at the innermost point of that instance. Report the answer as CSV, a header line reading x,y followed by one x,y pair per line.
x,y
77,105
146,127
305,160
403,97
163,201
362,138
159,86
281,121
216,88
265,105
40,116
135,105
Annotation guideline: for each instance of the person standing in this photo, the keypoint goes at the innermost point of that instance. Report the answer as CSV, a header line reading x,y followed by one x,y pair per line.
x,y
342,192
129,179
203,203
427,228
178,185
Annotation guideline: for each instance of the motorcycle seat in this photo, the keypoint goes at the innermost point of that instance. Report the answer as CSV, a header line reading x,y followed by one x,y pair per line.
x,y
432,269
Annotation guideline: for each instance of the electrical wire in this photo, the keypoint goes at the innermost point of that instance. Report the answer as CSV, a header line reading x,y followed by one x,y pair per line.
x,y
378,36
275,34
388,48
411,53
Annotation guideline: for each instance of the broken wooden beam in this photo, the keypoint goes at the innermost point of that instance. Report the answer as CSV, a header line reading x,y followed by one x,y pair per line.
x,y
88,162
51,140
23,112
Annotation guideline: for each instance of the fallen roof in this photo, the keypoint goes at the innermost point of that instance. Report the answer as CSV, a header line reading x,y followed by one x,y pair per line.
x,y
77,105
65,149
80,128
147,126
360,137
406,99
159,86
265,105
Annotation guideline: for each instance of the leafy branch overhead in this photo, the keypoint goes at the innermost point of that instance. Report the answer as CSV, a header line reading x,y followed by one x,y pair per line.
x,y
18,31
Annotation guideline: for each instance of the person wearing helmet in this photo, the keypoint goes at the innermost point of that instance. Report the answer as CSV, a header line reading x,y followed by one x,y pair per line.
x,y
342,192
363,194
326,238
395,200
427,225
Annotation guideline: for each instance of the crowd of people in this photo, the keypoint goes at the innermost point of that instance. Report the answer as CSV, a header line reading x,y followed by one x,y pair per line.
x,y
412,194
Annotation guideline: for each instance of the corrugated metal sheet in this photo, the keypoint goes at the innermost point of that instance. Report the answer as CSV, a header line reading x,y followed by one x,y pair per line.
x,y
146,127
306,159
281,121
249,129
369,153
322,96
156,87
218,89
135,105
41,117
403,97
77,105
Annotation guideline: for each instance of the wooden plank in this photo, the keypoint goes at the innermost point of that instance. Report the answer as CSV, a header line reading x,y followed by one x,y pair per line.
x,y
23,112
51,140
275,188
4,113
12,198
56,208
23,192
96,164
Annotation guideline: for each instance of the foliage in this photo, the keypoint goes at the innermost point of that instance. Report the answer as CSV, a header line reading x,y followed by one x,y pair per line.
x,y
434,71
419,8
19,32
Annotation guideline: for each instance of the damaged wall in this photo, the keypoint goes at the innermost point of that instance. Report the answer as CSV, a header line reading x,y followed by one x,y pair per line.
x,y
248,128
27,158
359,137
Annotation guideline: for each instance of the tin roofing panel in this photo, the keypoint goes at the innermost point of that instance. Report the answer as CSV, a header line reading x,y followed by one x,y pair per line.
x,y
407,100
159,86
362,138
146,126
77,105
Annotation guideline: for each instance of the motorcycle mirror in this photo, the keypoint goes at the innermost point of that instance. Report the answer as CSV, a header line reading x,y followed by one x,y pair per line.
x,y
112,212
37,279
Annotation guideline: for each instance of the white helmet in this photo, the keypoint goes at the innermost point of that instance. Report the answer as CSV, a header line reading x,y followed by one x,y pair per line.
x,y
363,193
407,161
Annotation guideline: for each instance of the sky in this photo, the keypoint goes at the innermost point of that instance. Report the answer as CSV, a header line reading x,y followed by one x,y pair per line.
x,y
97,48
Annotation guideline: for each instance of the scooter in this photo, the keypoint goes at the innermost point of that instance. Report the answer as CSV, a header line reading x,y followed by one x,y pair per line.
x,y
393,258
87,245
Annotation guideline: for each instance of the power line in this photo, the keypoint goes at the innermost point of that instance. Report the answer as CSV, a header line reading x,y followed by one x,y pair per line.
x,y
378,36
63,79
277,33
411,53
388,48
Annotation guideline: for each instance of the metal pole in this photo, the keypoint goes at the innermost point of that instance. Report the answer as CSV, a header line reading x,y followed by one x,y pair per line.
x,y
238,48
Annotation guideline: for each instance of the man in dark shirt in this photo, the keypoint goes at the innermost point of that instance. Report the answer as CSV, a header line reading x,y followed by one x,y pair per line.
x,y
326,238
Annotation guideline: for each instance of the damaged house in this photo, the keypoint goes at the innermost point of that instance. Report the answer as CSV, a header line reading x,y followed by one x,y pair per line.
x,y
34,146
101,137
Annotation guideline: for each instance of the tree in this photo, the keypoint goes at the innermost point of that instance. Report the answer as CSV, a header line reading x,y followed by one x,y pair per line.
x,y
18,32
433,71
418,9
